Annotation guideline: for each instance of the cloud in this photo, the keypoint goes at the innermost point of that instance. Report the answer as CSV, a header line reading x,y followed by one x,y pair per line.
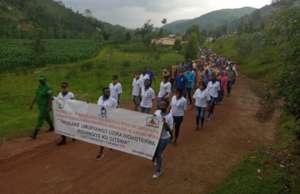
x,y
133,13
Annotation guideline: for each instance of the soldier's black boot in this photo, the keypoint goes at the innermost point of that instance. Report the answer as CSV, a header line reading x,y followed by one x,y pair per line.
x,y
35,133
51,129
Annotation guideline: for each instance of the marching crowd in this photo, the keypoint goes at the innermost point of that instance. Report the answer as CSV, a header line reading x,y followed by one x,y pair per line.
x,y
202,84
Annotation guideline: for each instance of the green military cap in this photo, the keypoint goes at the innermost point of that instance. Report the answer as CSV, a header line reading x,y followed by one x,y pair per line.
x,y
42,78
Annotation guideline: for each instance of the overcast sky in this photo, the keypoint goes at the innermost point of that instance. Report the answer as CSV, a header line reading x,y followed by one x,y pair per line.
x,y
133,13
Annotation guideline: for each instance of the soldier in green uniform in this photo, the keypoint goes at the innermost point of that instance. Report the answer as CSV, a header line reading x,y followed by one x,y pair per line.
x,y
43,100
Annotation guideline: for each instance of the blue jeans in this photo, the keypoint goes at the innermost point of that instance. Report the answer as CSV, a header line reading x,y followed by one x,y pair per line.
x,y
200,112
162,144
212,105
200,115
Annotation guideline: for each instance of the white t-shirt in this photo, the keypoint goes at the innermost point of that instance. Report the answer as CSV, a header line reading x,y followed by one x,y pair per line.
x,y
169,119
147,97
115,90
142,80
136,87
110,103
164,89
68,96
213,89
178,106
201,98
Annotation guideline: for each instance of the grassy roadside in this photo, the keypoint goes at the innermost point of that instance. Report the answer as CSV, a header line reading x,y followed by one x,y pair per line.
x,y
267,170
86,78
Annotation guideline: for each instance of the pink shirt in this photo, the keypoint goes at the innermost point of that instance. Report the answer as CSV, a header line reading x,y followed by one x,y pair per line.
x,y
224,80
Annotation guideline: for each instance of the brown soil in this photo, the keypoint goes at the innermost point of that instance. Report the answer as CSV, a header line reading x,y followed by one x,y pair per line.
x,y
199,162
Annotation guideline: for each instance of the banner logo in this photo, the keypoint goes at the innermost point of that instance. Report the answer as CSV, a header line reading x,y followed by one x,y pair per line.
x,y
152,122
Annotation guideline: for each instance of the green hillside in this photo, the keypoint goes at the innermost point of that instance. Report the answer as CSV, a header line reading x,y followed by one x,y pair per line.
x,y
21,18
209,21
257,20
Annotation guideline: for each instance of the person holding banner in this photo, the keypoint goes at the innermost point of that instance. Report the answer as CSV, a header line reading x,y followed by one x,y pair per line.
x,y
148,96
116,89
105,102
166,135
178,107
65,94
43,99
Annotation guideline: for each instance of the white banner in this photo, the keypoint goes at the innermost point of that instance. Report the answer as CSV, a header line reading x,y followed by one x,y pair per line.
x,y
127,131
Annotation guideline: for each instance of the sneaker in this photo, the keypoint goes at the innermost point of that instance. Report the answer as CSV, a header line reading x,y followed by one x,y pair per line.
x,y
100,157
156,175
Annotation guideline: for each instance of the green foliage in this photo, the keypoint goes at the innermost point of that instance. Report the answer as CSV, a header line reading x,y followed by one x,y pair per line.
x,y
285,30
146,33
177,45
24,54
195,39
195,31
192,49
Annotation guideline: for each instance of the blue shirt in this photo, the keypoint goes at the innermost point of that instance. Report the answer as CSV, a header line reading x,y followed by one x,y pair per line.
x,y
150,73
180,82
190,77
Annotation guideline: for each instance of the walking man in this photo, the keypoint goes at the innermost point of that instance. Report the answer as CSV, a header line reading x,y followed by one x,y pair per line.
x,y
105,102
43,99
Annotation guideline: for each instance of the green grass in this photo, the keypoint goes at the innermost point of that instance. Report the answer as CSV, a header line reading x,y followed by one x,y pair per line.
x,y
246,179
86,78
273,178
17,53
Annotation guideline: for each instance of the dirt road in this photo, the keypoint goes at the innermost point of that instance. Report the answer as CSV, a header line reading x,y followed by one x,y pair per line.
x,y
197,164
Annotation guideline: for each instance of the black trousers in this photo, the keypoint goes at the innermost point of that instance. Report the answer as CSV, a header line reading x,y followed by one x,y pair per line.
x,y
178,122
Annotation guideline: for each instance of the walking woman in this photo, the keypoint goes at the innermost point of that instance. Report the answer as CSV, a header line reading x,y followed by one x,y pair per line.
x,y
165,88
136,91
148,96
213,88
178,107
165,137
201,98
